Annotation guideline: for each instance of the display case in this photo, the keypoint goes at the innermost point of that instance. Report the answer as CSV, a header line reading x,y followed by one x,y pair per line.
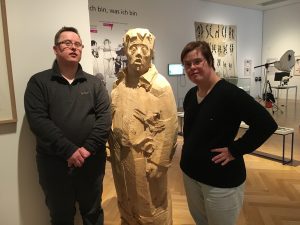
x,y
242,82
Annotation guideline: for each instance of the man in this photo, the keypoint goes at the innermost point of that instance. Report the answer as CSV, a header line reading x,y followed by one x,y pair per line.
x,y
144,133
69,112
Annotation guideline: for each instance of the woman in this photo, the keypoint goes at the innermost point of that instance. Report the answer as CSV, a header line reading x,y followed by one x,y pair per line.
x,y
212,158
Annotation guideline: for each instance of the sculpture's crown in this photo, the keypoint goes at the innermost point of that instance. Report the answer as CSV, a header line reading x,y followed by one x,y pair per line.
x,y
139,35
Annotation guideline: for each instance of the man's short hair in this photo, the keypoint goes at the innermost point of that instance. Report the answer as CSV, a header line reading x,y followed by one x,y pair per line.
x,y
63,29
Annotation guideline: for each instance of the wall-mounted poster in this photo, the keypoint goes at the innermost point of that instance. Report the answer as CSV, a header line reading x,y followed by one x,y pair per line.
x,y
297,66
109,21
7,98
107,50
222,40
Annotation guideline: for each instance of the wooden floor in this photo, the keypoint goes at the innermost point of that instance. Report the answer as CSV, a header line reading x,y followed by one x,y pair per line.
x,y
272,195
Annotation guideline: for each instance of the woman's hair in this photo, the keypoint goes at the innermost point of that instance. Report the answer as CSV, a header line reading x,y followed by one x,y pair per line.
x,y
203,47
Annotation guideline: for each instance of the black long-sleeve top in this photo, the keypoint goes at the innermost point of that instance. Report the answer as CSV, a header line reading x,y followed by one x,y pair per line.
x,y
214,123
67,116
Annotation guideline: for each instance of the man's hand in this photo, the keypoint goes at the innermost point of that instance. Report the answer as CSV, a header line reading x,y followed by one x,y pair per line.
x,y
84,153
76,160
78,157
223,157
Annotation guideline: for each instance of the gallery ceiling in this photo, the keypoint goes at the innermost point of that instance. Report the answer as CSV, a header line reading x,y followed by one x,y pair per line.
x,y
256,4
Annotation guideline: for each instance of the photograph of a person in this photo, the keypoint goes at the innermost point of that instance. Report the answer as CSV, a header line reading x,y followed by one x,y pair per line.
x,y
96,61
297,66
108,58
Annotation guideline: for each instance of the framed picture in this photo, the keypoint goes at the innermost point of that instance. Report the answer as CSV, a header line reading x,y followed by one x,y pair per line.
x,y
247,67
7,97
297,66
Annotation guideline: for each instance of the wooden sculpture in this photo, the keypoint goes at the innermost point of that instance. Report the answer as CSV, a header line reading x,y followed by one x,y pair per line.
x,y
144,133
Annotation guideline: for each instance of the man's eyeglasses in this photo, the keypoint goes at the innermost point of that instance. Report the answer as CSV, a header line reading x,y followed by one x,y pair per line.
x,y
70,44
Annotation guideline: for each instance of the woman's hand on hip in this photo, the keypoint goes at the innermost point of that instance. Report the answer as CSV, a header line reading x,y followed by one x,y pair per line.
x,y
223,157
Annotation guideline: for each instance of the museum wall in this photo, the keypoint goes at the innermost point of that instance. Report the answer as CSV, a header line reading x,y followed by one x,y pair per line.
x,y
32,25
172,22
280,33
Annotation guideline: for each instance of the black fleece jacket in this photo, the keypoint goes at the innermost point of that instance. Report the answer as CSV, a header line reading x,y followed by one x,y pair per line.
x,y
214,123
67,116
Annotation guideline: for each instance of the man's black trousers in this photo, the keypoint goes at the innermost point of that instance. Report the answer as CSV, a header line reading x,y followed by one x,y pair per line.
x,y
64,186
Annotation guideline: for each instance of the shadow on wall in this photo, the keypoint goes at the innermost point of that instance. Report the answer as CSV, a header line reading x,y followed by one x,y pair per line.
x,y
32,207
33,210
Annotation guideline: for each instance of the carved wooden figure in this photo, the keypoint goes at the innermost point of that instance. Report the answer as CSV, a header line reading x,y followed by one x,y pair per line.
x,y
144,134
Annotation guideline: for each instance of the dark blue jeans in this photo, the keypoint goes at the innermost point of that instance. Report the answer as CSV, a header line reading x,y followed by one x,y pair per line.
x,y
64,187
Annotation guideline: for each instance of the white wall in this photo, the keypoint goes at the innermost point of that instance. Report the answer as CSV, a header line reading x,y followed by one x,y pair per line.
x,y
280,33
32,25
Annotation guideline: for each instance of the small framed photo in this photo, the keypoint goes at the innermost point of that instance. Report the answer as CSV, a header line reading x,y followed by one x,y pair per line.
x,y
297,66
247,67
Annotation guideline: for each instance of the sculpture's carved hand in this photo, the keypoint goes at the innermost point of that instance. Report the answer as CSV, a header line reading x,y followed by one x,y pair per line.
x,y
154,171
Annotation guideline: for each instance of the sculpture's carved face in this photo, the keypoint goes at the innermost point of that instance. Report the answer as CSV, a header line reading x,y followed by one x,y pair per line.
x,y
139,56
